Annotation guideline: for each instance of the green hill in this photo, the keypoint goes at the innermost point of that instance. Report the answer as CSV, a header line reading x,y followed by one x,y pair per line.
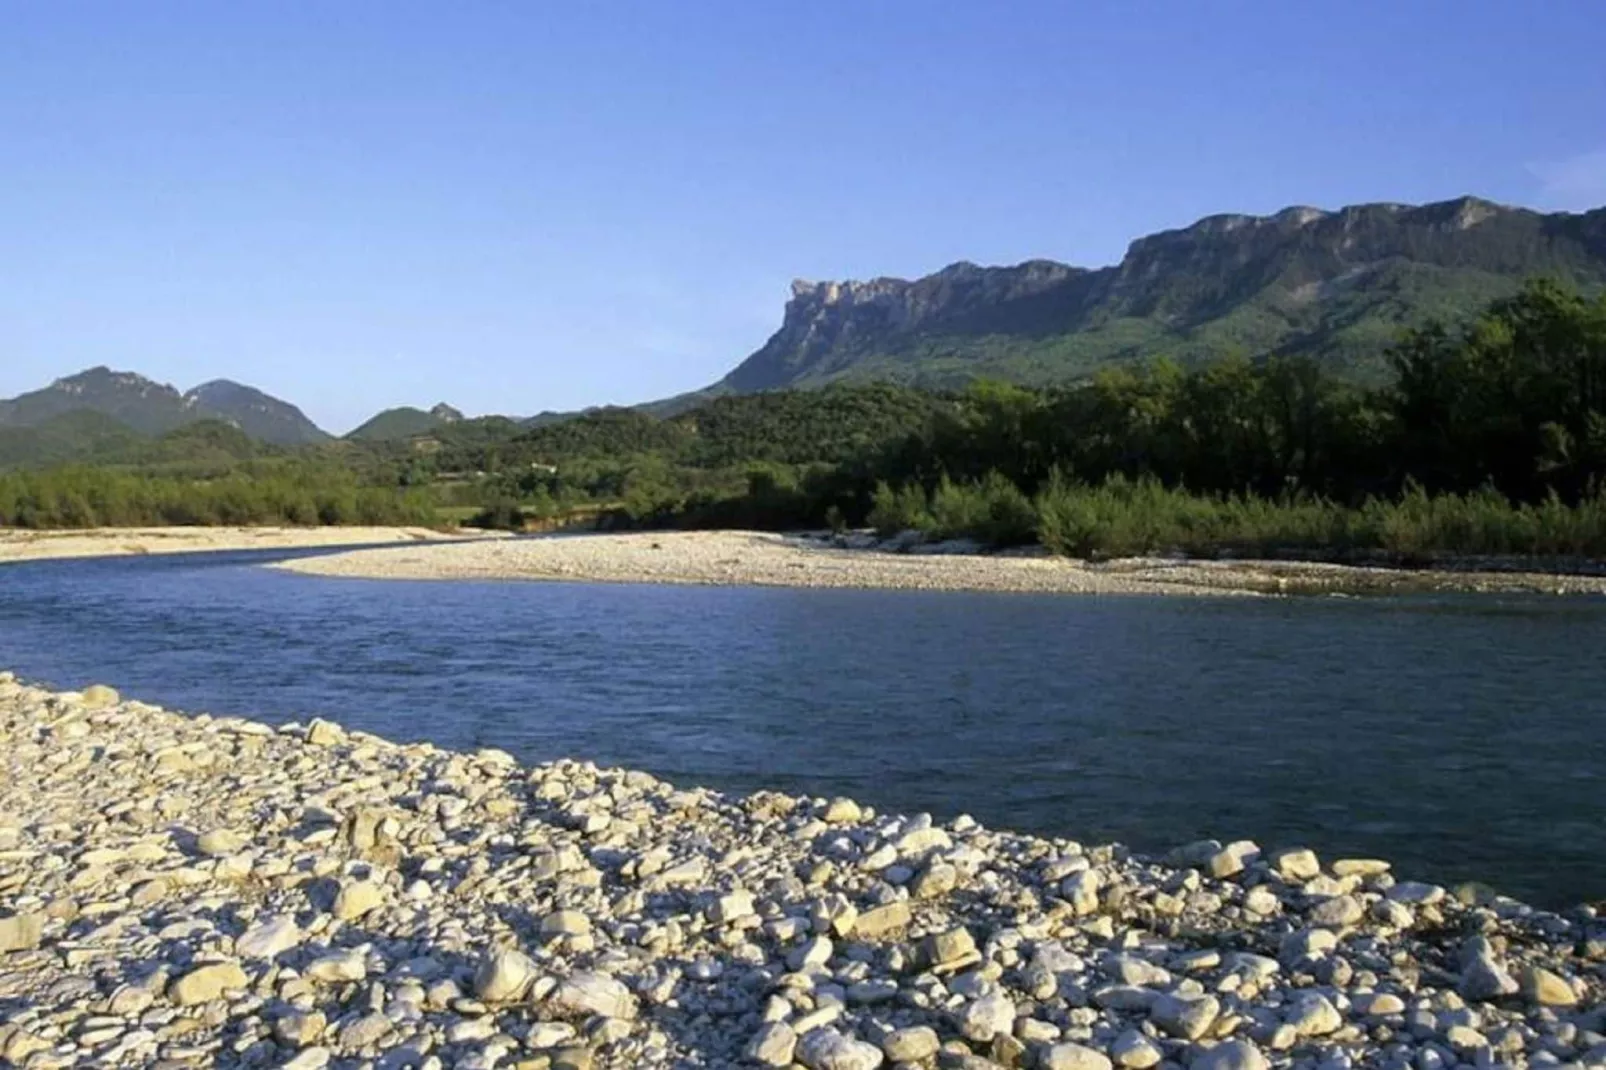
x,y
400,423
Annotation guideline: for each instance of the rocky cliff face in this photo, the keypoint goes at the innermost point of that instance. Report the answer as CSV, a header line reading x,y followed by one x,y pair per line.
x,y
1336,284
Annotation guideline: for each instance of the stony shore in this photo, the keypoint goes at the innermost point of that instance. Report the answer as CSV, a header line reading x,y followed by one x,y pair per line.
x,y
765,559
181,891
18,545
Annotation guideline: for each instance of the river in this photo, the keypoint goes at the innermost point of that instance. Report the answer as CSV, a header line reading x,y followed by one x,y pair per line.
x,y
1460,737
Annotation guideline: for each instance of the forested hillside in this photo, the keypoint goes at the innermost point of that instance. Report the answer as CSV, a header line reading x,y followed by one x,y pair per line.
x,y
1489,436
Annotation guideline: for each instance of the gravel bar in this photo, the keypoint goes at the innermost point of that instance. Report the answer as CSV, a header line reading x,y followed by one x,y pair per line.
x,y
186,891
750,558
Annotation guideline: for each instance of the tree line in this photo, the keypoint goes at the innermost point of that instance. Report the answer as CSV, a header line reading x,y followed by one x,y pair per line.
x,y
1488,437
296,494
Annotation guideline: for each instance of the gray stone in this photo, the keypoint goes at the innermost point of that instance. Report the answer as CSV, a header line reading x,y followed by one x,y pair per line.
x,y
338,967
986,1017
773,1045
826,1049
1073,1057
595,993
364,1032
21,932
1313,1015
357,898
1135,1050
504,976
269,938
1185,1017
1231,1055
206,983
1081,890
1336,912
912,1045
216,843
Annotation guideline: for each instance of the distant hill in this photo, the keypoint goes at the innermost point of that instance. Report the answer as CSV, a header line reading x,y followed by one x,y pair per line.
x,y
1336,286
80,434
259,415
146,407
400,423
138,403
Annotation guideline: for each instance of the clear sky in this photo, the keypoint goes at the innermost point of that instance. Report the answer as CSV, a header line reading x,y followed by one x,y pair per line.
x,y
522,205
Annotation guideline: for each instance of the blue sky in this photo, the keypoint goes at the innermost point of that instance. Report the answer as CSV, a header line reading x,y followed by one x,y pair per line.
x,y
517,206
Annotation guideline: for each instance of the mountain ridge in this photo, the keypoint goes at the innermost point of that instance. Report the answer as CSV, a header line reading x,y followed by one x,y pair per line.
x,y
1333,284
147,407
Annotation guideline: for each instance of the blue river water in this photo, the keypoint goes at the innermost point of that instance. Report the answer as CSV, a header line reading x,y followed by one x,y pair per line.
x,y
1460,737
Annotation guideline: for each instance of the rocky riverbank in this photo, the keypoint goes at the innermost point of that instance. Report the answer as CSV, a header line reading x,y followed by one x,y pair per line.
x,y
182,891
19,545
765,559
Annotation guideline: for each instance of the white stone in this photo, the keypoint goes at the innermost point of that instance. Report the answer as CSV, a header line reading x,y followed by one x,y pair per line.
x,y
504,976
595,993
269,938
987,1017
826,1049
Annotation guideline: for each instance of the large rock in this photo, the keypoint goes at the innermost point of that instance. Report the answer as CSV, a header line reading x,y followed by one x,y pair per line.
x,y
882,921
1081,890
987,1017
826,1049
1296,864
321,733
1134,1050
594,993
911,1045
217,843
21,932
504,976
338,967
950,946
269,938
364,1032
565,923
206,983
357,898
772,1045
1483,975
1184,1017
1231,1055
1337,912
1312,1015
1073,1057
1549,989
99,697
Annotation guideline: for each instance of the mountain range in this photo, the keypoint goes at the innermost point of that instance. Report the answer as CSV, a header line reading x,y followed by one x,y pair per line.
x,y
146,407
1334,285
1337,286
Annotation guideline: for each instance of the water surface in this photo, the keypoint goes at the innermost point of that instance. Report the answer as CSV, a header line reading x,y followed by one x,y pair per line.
x,y
1460,737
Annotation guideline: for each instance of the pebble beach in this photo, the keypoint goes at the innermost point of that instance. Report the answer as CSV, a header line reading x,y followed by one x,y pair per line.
x,y
752,558
187,890
19,545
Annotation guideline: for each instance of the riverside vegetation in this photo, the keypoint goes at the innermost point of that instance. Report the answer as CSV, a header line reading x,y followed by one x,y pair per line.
x,y
205,891
1490,439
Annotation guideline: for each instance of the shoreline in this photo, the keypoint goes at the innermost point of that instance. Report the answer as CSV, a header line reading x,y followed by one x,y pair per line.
x,y
28,545
197,890
748,558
